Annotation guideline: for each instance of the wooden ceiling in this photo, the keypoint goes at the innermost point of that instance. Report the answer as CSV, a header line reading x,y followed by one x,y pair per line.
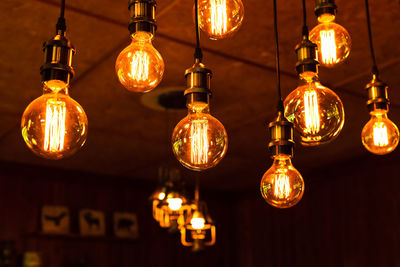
x,y
130,140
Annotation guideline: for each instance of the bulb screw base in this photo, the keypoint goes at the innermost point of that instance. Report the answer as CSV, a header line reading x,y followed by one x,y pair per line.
x,y
143,14
198,80
281,132
306,53
377,94
325,7
58,54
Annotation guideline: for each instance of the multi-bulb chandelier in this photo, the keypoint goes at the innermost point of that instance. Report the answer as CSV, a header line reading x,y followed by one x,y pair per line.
x,y
54,125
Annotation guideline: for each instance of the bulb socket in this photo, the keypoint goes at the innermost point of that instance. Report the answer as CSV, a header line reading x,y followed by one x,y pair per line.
x,y
143,16
325,7
306,53
198,81
57,64
377,94
281,133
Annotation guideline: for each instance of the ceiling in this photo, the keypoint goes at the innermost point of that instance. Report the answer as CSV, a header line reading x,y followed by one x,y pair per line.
x,y
130,140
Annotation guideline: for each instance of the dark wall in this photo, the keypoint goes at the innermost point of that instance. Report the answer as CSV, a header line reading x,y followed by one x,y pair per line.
x,y
24,190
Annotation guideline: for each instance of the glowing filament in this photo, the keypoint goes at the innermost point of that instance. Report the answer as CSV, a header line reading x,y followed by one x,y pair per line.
x,y
281,186
311,112
328,47
199,142
55,125
219,17
380,134
140,66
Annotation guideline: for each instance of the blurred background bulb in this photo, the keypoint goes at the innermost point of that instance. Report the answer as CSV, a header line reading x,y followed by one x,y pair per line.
x,y
199,141
333,41
220,18
139,66
197,221
54,125
316,112
174,203
380,135
282,185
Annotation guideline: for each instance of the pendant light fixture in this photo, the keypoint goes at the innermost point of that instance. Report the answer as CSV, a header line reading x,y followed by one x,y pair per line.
x,y
316,112
333,41
380,135
282,186
54,125
199,229
199,141
139,66
220,18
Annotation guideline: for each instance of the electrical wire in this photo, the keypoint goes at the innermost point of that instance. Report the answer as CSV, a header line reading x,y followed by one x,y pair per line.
x,y
61,25
305,28
371,45
278,71
198,54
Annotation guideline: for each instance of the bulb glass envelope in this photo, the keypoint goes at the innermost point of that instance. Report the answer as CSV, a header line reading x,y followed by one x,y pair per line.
x,y
199,229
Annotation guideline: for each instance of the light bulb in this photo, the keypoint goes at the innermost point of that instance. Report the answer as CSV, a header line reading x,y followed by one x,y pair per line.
x,y
161,196
316,112
174,203
197,221
333,41
54,125
199,141
380,135
282,185
220,18
139,66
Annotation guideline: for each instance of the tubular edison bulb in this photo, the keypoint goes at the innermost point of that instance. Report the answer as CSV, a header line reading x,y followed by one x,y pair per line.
x,y
199,140
333,41
54,126
139,66
220,18
282,185
380,135
316,111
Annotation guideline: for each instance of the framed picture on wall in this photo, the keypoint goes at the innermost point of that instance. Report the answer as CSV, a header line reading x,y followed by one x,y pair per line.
x,y
91,222
55,219
126,225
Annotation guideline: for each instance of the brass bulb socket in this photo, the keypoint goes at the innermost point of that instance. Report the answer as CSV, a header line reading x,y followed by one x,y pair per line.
x,y
143,16
57,64
377,94
281,133
306,53
198,81
325,7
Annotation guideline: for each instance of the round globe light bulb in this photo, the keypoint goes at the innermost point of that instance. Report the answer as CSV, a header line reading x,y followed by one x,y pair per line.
x,y
282,185
139,66
333,41
197,221
174,203
316,112
54,126
199,141
380,135
220,18
161,196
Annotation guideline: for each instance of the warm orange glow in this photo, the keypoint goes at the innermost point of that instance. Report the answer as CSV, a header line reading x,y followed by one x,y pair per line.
x,y
281,186
199,142
328,47
219,17
174,203
380,134
139,66
311,110
197,223
55,125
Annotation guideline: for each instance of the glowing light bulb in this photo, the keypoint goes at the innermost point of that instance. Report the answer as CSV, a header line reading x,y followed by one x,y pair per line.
x,y
161,196
199,140
220,18
197,222
316,112
380,135
139,66
333,41
174,203
54,126
282,185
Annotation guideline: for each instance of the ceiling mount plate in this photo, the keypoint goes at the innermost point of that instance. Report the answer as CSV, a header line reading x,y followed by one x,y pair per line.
x,y
165,98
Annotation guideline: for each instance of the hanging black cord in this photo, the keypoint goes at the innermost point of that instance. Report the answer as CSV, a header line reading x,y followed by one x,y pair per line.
x,y
61,25
305,28
198,54
371,45
278,69
197,188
